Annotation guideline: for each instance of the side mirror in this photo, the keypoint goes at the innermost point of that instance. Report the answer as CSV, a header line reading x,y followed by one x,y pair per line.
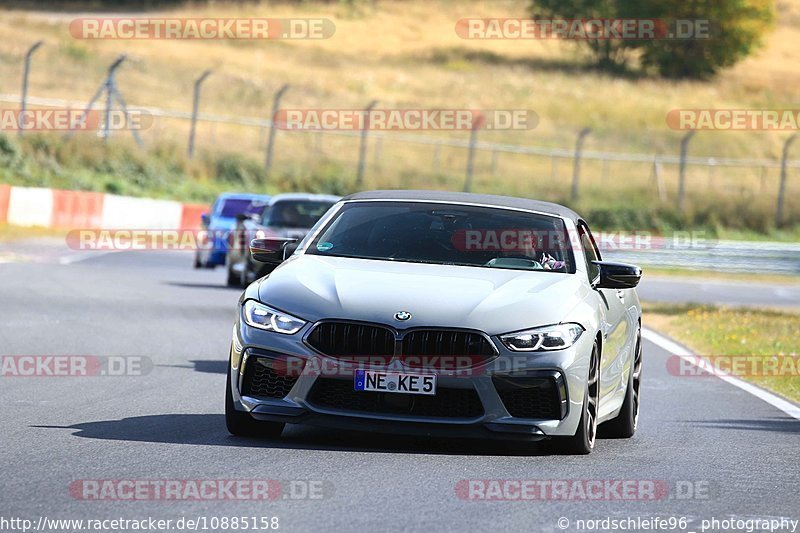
x,y
271,251
241,217
617,275
205,219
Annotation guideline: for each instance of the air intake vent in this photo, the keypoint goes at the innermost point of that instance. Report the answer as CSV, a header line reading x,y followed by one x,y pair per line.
x,y
345,340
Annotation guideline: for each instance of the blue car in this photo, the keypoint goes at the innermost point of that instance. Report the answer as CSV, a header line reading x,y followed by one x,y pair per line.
x,y
220,221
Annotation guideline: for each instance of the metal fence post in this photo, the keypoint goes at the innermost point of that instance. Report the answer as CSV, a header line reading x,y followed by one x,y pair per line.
x,y
25,71
378,154
658,179
195,106
436,158
576,169
712,165
362,152
110,82
782,190
473,140
682,171
276,103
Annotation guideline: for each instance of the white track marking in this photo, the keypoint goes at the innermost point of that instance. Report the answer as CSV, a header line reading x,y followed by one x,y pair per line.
x,y
674,348
76,258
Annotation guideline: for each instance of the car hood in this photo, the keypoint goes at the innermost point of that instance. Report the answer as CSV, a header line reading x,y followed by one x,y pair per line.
x,y
491,300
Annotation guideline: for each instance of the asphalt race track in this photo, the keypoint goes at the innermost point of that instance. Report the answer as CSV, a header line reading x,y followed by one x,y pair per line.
x,y
719,451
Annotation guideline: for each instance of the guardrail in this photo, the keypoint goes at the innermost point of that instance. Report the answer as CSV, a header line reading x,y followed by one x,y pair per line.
x,y
727,256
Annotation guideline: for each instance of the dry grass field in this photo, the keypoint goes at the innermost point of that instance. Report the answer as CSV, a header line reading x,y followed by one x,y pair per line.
x,y
406,54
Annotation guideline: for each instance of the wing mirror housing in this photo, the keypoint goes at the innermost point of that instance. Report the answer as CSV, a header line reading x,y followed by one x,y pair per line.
x,y
272,251
205,219
617,275
241,217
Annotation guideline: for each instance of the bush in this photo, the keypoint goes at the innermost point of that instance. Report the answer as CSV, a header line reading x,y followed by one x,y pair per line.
x,y
736,29
609,54
239,170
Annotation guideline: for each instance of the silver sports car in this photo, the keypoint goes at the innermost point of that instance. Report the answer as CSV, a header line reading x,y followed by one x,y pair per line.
x,y
437,313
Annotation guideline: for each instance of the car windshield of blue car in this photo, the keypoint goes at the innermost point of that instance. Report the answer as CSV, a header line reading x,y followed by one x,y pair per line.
x,y
418,232
235,206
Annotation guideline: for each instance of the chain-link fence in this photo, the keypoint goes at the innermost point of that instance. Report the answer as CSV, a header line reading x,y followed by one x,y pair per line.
x,y
456,160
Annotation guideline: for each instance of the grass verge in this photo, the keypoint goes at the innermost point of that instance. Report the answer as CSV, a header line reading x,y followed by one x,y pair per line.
x,y
712,330
783,279
164,171
9,232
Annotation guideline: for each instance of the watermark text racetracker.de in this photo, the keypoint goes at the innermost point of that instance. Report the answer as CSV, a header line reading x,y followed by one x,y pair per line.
x,y
734,119
523,239
136,239
67,119
606,490
175,28
71,366
405,119
776,365
181,490
581,29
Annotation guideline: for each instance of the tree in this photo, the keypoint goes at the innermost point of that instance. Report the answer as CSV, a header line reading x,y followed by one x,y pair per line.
x,y
736,29
608,53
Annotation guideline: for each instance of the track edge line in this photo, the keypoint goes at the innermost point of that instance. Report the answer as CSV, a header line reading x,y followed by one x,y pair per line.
x,y
674,348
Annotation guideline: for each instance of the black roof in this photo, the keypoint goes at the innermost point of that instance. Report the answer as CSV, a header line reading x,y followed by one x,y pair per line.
x,y
465,197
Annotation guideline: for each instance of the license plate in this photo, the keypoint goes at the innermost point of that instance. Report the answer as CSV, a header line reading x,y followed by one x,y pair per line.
x,y
371,380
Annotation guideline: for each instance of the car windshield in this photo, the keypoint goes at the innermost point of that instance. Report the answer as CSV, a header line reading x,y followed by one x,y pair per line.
x,y
294,213
235,206
446,234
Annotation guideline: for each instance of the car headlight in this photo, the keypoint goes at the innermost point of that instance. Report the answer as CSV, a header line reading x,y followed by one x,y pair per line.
x,y
260,316
543,339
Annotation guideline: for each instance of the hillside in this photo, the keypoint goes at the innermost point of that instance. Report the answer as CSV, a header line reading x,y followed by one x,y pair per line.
x,y
407,55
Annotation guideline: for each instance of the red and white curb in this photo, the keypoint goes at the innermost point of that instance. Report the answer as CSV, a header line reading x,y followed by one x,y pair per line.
x,y
55,208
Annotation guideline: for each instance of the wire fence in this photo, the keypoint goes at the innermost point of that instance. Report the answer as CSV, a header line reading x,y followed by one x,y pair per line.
x,y
459,160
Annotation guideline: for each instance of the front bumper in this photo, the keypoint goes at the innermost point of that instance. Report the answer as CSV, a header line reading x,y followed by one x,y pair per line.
x,y
558,377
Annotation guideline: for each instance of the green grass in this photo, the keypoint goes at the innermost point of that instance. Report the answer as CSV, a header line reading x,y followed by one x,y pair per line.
x,y
84,162
787,279
9,232
120,167
711,330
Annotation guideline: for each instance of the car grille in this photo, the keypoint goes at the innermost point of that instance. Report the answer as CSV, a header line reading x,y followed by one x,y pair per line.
x,y
262,381
460,348
347,340
446,403
526,397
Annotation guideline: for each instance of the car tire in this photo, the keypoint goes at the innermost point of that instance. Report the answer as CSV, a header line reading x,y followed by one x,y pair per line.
x,y
233,277
583,441
244,275
241,424
623,426
197,262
